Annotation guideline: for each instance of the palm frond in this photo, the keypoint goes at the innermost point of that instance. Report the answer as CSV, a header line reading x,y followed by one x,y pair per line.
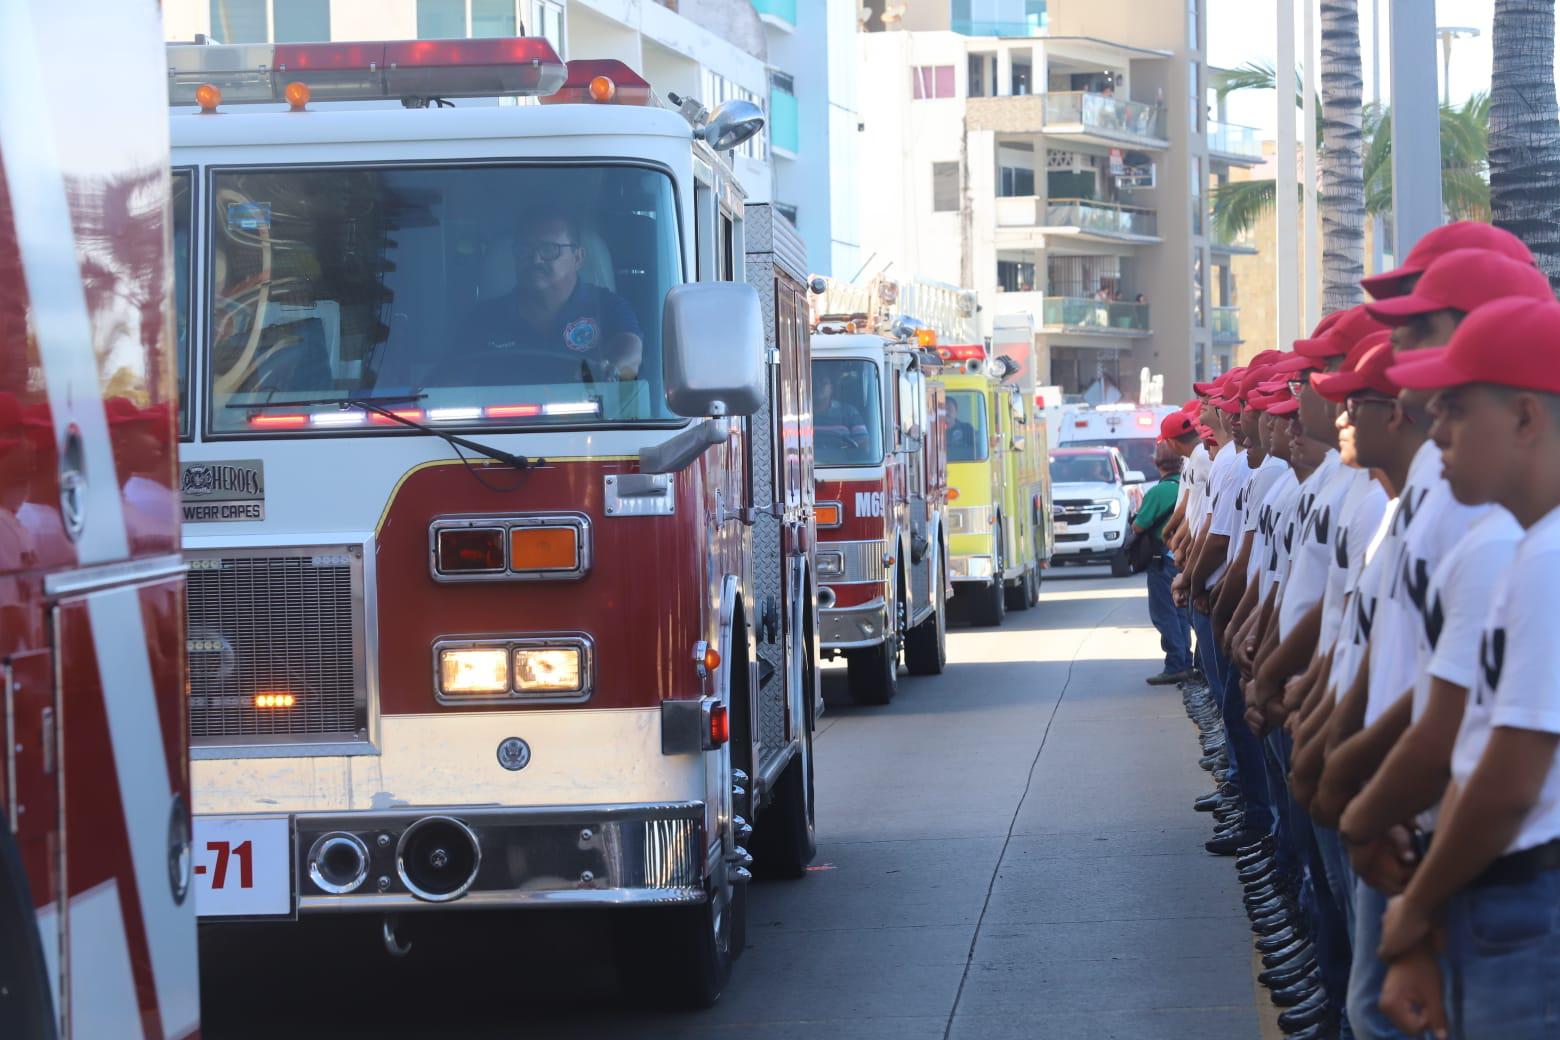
x,y
1254,75
1238,205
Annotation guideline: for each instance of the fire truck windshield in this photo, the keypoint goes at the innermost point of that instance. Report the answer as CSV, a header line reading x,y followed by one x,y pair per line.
x,y
847,413
967,440
488,296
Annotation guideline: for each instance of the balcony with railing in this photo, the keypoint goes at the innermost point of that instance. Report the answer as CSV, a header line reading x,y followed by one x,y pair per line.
x,y
1102,317
1098,118
1234,143
1226,325
1108,219
779,13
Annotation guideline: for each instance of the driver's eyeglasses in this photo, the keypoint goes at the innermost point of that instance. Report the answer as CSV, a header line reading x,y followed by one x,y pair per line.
x,y
544,250
1299,382
1353,405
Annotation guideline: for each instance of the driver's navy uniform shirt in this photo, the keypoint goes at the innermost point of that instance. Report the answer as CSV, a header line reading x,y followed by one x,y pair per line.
x,y
590,317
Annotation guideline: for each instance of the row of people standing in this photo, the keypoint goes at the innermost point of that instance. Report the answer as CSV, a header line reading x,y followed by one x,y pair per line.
x,y
1368,527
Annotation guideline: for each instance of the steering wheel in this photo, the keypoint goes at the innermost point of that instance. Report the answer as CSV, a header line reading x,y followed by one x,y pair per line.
x,y
841,438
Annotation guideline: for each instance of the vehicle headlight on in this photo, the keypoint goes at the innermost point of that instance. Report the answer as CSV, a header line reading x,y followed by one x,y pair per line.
x,y
831,564
474,670
979,567
549,669
1112,508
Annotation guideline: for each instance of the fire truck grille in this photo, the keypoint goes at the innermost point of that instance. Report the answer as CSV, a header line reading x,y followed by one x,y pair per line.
x,y
276,646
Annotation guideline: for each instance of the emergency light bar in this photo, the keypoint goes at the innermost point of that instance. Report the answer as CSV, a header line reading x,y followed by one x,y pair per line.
x,y
254,73
963,352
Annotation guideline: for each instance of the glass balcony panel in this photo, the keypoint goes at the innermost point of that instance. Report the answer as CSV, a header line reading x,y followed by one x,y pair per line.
x,y
1101,216
1234,139
1074,313
1226,324
1099,112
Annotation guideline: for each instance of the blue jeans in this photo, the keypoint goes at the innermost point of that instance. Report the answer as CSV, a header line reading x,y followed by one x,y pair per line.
x,y
1503,960
1369,971
1175,633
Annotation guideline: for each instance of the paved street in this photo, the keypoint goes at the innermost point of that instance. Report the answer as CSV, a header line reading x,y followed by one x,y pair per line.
x,y
1007,851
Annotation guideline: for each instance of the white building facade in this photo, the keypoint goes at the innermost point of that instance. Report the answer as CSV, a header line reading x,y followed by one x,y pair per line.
x,y
1055,158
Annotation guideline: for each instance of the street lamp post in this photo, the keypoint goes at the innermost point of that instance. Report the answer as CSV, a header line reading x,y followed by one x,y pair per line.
x,y
1448,33
1416,124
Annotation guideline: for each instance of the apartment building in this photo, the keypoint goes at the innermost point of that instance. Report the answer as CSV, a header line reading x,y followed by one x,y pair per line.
x,y
1057,157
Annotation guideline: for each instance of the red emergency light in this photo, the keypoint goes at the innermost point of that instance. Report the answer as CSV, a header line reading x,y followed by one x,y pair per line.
x,y
963,352
254,73
601,81
1145,419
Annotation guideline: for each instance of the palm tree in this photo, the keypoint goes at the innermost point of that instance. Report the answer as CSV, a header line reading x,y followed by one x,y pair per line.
x,y
1524,135
1465,190
1342,194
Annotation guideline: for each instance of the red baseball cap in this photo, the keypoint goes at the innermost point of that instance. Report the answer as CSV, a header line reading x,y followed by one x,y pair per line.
x,y
1351,326
1462,280
1513,342
1230,405
1175,426
1288,407
1461,234
1297,363
1366,370
1263,402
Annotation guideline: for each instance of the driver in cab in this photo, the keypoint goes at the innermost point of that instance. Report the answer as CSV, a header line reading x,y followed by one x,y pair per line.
x,y
961,435
831,415
554,313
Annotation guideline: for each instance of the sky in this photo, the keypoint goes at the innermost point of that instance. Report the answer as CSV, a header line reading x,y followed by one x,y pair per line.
x,y
1240,31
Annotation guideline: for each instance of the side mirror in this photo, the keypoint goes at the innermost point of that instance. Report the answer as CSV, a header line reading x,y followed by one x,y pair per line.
x,y
1135,476
712,350
732,123
909,428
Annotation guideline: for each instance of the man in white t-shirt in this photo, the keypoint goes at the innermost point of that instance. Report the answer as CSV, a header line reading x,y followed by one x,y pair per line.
x,y
1491,879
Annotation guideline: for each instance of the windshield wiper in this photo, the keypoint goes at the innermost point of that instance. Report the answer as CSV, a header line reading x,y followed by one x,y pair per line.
x,y
376,406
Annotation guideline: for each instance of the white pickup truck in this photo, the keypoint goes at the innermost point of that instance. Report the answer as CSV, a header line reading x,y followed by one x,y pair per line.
x,y
1094,498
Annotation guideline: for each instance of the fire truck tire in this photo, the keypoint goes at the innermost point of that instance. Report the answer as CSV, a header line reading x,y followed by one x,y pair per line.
x,y
785,839
678,958
872,673
990,606
926,645
26,1008
1023,595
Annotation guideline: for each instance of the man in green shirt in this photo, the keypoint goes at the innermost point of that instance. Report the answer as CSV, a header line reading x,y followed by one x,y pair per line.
x,y
1175,635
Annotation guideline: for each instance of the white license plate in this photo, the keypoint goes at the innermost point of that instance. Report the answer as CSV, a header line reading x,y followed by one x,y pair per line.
x,y
1061,525
242,866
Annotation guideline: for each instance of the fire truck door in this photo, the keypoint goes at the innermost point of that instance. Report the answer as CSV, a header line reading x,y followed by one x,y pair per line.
x,y
32,806
130,939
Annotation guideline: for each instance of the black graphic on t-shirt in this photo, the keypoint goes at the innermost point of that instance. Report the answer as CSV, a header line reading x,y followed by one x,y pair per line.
x,y
1341,548
1416,580
1322,523
1492,659
1435,618
1364,616
1408,505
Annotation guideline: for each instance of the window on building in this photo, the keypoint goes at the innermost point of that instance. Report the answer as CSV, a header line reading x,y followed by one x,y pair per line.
x,y
546,20
945,187
1193,37
456,19
1199,291
1194,93
1083,277
931,81
983,75
1197,195
1022,75
1014,275
270,21
787,211
1016,181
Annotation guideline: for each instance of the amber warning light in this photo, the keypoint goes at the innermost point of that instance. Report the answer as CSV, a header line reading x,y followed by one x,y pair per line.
x,y
601,81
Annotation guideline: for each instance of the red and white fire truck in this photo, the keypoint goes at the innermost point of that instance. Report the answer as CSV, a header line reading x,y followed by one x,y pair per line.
x,y
97,923
478,522
882,481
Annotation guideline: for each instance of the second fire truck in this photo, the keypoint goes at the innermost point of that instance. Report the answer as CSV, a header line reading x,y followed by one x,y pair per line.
x,y
495,601
882,481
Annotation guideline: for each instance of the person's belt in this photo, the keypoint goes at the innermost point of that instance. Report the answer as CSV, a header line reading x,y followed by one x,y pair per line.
x,y
1521,867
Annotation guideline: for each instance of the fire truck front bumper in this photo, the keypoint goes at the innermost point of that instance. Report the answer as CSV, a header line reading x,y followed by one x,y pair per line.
x,y
970,570
851,628
462,858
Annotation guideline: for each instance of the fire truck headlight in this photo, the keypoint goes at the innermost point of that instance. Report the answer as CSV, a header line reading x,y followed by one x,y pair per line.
x,y
830,565
548,669
474,670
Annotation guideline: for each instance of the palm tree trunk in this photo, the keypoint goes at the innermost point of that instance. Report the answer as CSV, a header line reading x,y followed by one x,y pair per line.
x,y
1342,158
1524,129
